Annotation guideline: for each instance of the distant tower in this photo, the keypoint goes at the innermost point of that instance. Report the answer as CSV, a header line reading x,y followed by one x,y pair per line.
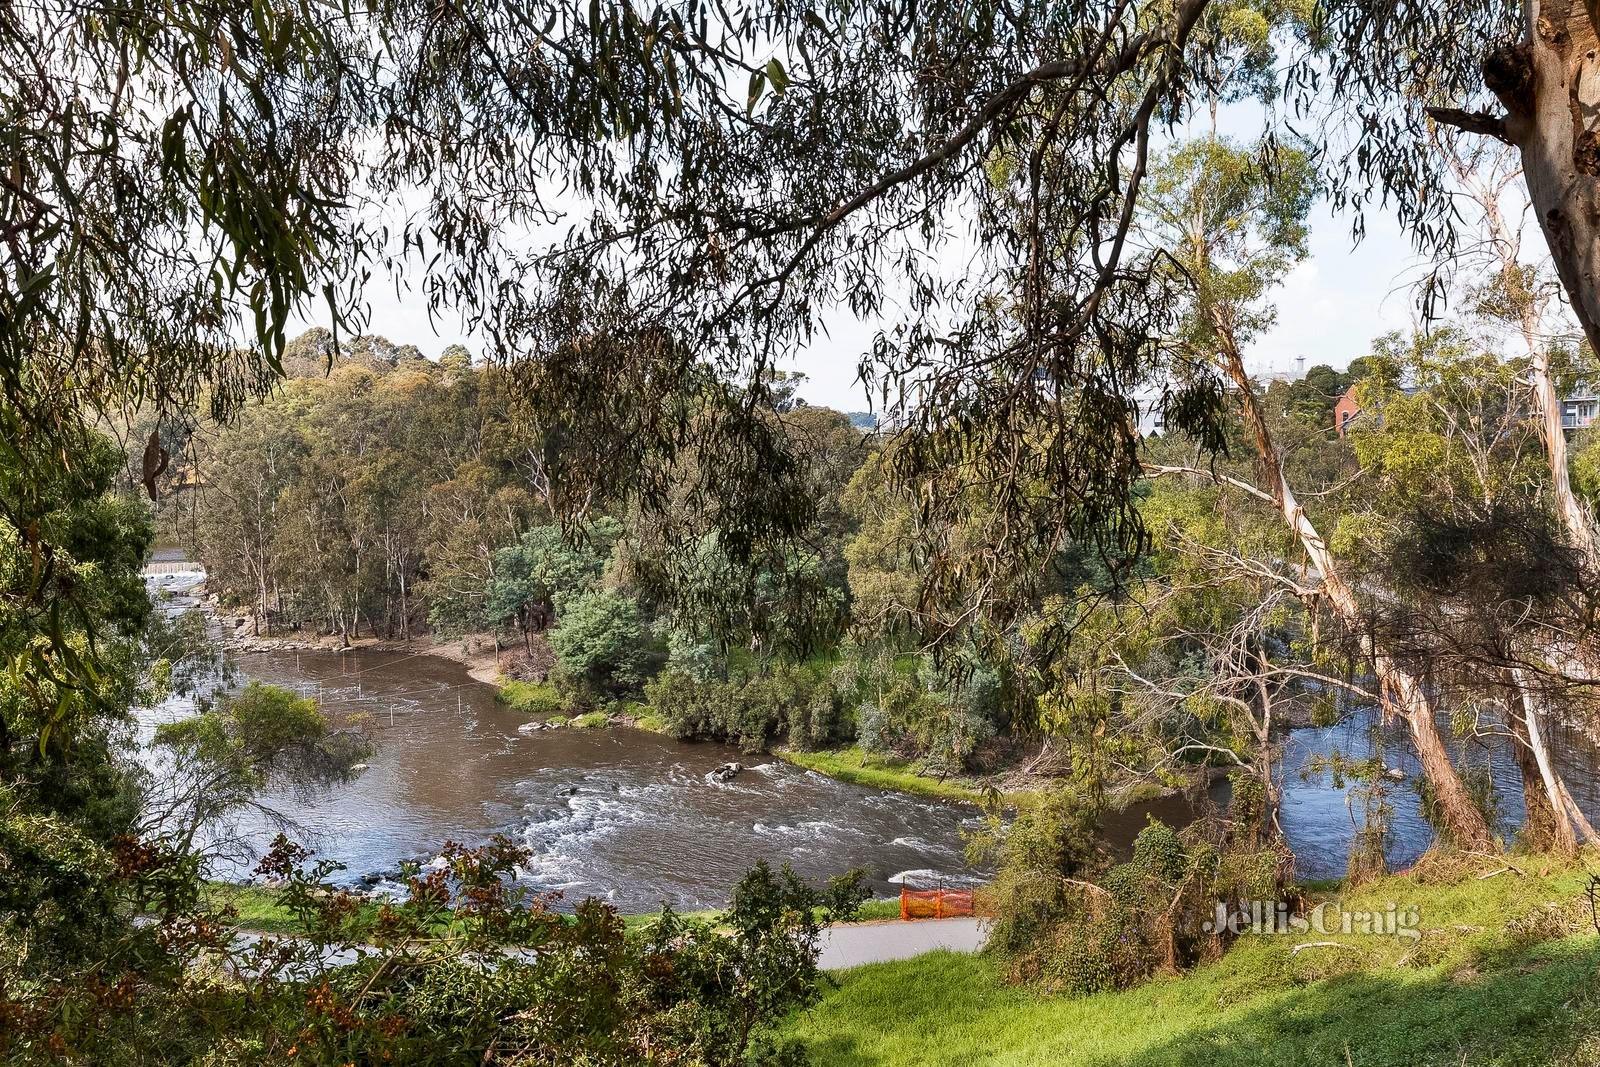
x,y
1300,366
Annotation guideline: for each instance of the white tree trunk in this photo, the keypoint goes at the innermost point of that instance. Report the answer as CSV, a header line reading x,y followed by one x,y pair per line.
x,y
1402,693
1555,790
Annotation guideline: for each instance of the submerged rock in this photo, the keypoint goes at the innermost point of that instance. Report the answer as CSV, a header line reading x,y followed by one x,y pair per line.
x,y
727,772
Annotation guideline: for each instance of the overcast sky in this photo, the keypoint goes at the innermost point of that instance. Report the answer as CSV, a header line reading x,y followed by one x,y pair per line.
x,y
1329,310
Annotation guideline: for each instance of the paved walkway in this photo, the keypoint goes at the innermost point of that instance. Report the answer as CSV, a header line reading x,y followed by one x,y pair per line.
x,y
853,945
847,945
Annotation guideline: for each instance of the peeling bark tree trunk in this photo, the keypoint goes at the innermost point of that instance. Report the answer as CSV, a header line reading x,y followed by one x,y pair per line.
x,y
1573,517
1402,693
1549,83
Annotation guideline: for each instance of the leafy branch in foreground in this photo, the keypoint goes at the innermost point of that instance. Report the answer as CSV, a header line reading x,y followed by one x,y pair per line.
x,y
466,966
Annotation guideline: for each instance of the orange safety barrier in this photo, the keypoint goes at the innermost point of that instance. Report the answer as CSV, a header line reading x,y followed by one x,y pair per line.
x,y
934,903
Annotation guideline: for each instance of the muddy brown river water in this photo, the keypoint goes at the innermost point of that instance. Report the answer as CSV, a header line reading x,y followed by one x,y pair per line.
x,y
638,819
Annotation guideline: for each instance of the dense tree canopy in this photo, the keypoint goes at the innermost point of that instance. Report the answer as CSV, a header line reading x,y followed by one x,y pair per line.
x,y
640,211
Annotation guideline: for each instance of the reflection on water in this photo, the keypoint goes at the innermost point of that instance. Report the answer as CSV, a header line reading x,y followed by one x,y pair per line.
x,y
1320,820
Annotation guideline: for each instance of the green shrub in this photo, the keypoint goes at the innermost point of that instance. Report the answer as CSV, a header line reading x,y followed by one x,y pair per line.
x,y
594,720
1100,954
1059,927
1158,853
912,709
534,698
755,710
1052,838
581,989
599,645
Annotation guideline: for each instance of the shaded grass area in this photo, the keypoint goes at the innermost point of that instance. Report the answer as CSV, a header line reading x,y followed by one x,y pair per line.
x,y
260,909
1482,986
877,772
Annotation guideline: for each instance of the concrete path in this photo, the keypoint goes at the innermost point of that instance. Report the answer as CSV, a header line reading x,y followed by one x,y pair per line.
x,y
855,944
846,945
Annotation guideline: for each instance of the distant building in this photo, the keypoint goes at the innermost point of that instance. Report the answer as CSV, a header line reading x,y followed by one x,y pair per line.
x,y
1346,410
1580,408
865,421
1152,416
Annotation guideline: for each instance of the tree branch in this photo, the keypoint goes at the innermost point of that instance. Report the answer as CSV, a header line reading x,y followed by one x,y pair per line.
x,y
1480,122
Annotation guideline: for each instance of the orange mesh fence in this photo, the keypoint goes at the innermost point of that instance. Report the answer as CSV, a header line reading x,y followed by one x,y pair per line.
x,y
934,903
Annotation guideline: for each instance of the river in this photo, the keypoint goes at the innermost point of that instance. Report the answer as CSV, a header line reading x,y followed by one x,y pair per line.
x,y
639,819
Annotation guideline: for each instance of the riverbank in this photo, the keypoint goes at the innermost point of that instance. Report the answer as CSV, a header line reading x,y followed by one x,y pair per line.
x,y
851,764
858,767
1506,971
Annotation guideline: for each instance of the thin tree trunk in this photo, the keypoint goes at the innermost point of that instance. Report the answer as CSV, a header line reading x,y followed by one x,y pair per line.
x,y
1551,806
1540,827
1573,517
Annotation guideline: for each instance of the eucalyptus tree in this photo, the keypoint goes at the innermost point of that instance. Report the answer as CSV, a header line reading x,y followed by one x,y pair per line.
x,y
1453,523
625,200
1232,234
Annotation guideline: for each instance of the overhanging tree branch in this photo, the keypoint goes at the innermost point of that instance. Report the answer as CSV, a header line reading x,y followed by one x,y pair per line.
x,y
1480,122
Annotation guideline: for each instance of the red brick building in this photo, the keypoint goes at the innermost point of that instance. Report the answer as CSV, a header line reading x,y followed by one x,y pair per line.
x,y
1345,410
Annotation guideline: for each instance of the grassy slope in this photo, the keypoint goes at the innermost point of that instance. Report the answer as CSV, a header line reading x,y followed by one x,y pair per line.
x,y
1489,998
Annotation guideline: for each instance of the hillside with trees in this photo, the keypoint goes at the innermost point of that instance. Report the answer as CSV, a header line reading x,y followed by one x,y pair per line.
x,y
1041,213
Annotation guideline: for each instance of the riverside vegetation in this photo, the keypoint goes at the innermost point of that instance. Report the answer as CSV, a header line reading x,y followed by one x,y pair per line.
x,y
638,211
1503,973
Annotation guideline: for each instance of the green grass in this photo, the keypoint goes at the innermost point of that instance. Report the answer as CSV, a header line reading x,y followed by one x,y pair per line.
x,y
643,717
1467,992
257,906
593,720
853,765
534,698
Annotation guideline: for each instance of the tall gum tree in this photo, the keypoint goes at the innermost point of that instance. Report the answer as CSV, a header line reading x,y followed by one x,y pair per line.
x,y
1232,233
1521,294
